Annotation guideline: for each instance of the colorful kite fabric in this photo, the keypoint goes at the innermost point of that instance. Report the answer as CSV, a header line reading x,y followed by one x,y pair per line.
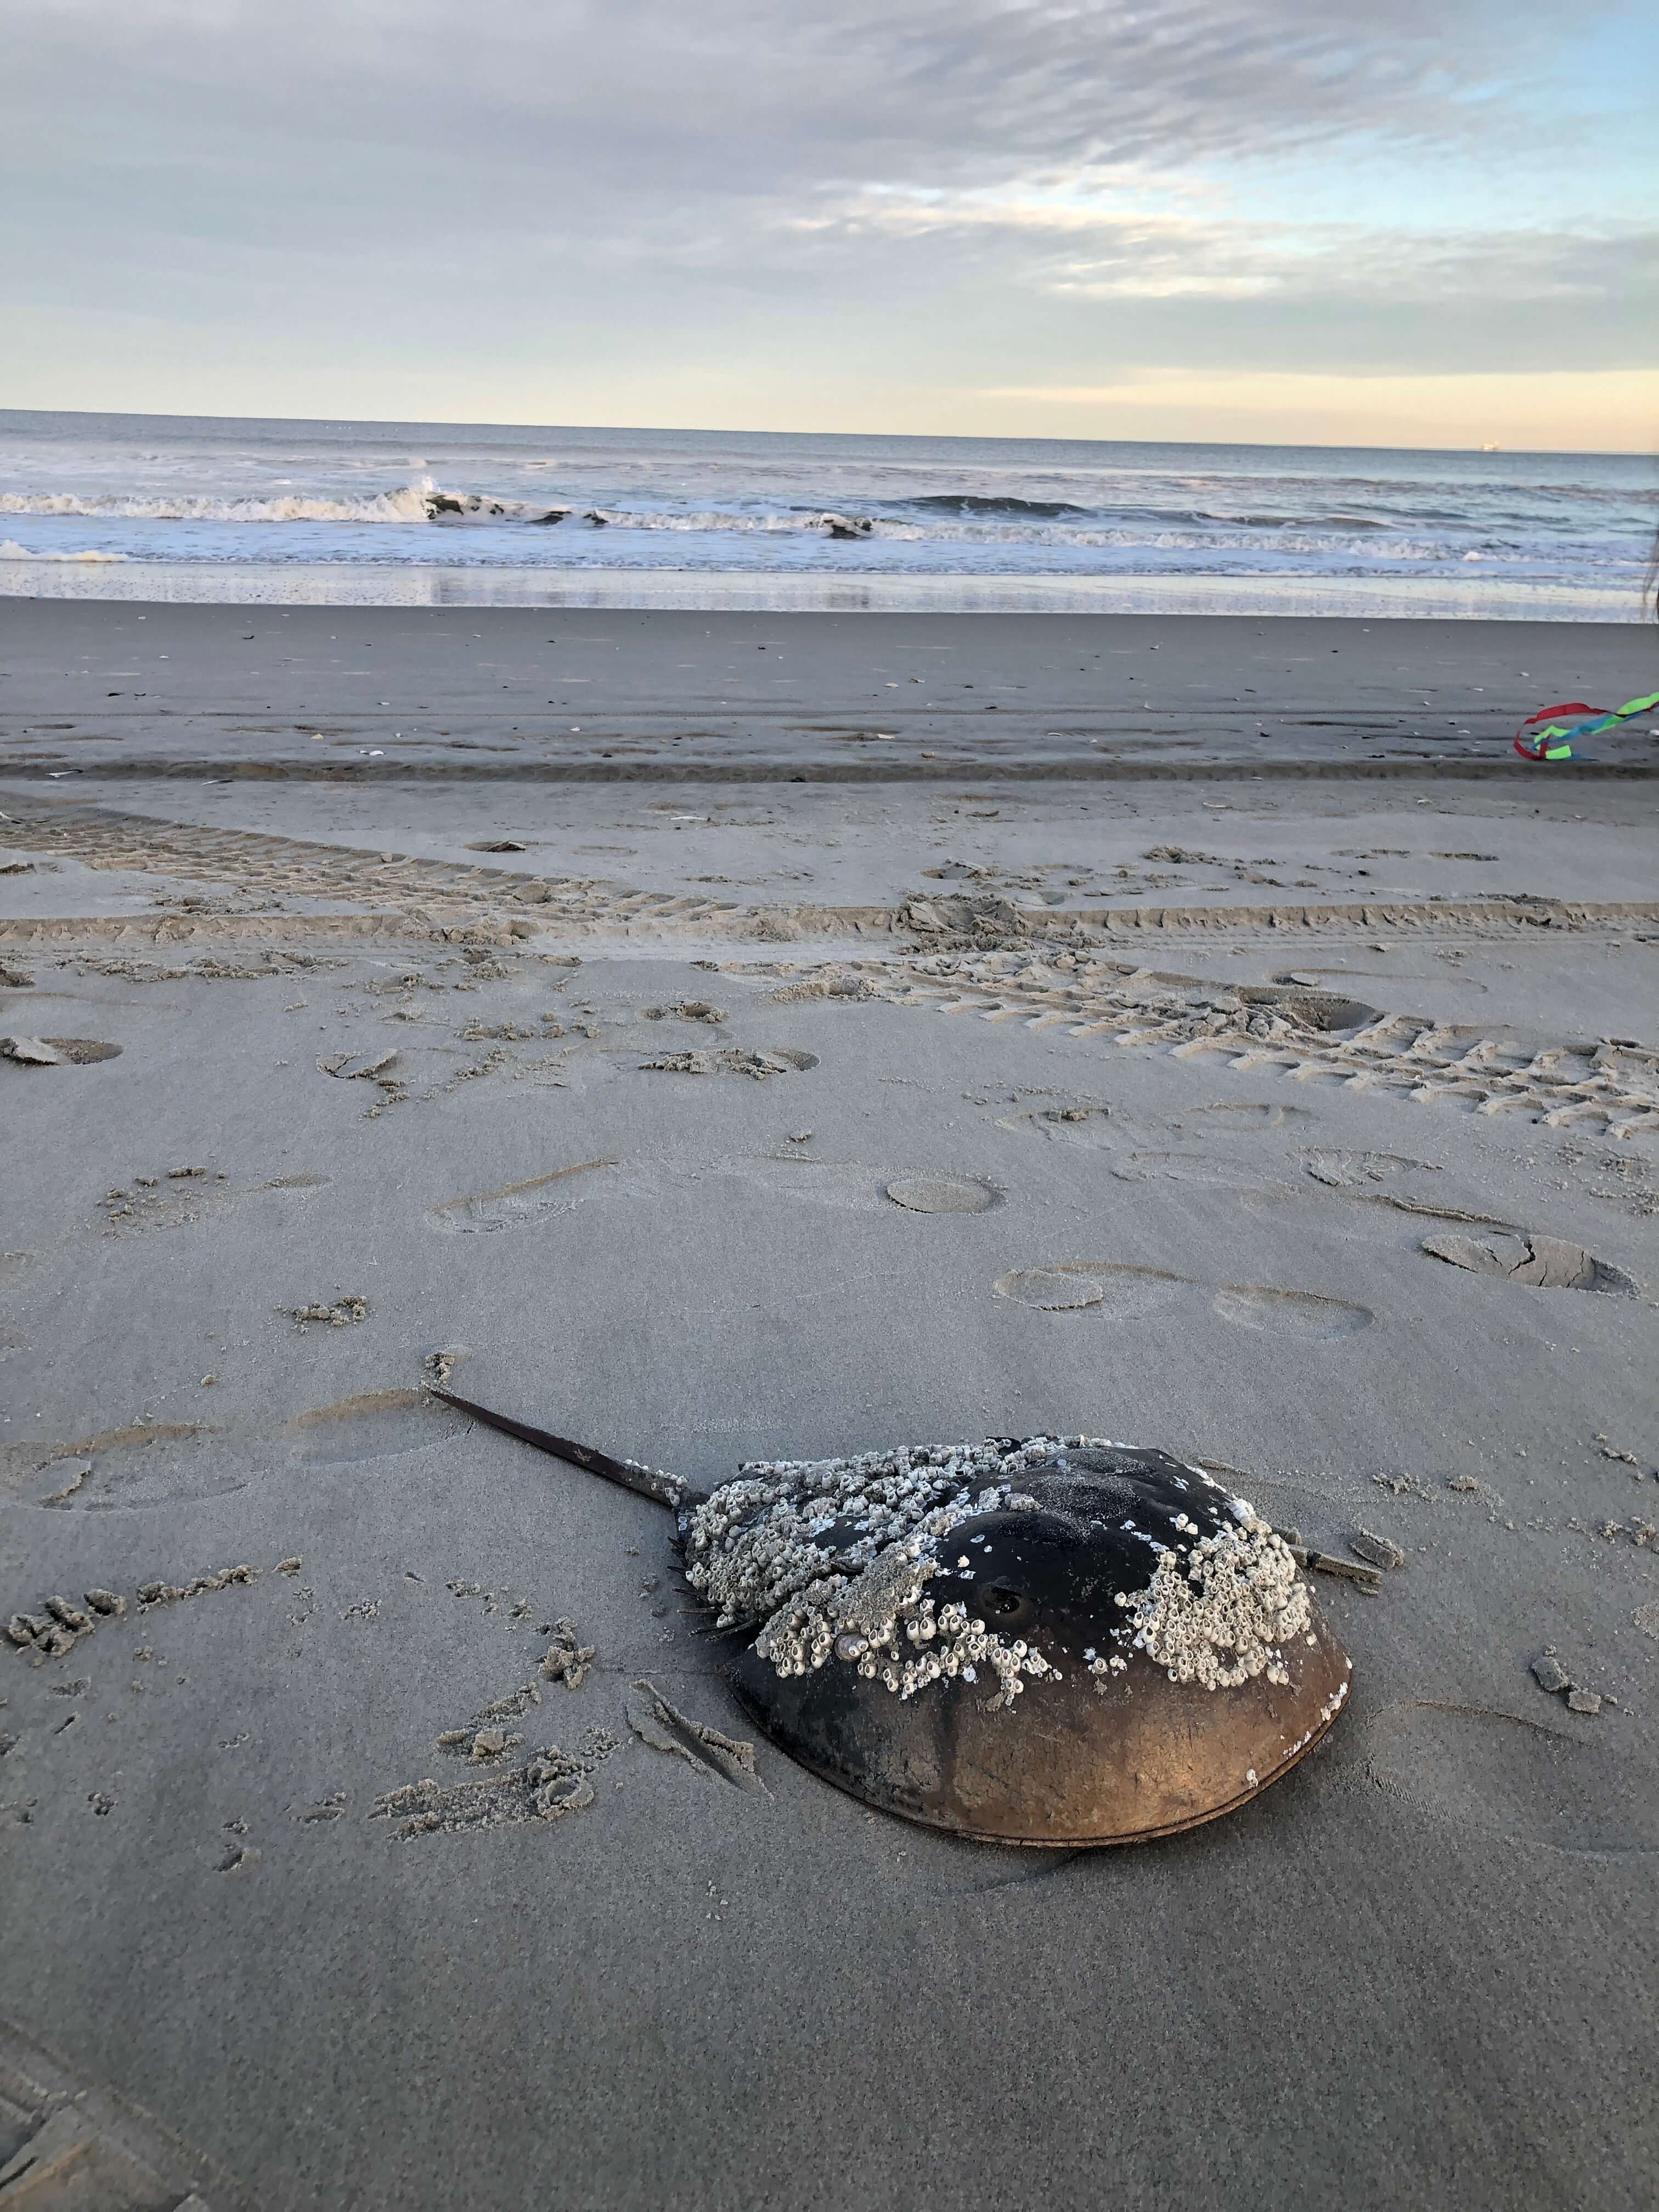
x,y
1555,740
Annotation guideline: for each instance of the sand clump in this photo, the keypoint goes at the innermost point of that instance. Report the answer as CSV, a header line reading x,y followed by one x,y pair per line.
x,y
54,1632
759,1067
567,1660
844,985
53,1636
546,1786
345,1310
1376,1550
164,1593
1552,1676
64,1623
685,1010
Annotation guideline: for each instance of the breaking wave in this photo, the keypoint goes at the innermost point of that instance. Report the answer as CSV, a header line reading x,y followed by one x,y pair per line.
x,y
409,503
932,515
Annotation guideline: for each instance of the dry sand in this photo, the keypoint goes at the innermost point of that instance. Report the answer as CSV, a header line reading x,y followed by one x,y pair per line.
x,y
1082,1076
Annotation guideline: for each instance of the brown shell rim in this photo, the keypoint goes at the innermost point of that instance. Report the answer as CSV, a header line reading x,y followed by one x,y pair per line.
x,y
1053,1843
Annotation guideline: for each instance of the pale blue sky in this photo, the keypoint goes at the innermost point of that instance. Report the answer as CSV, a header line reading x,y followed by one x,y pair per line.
x,y
1413,223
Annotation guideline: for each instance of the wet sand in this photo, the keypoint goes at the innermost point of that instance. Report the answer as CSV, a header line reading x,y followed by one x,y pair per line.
x,y
556,693
607,1126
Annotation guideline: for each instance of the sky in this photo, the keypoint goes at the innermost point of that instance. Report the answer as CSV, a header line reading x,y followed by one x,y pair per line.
x,y
1421,222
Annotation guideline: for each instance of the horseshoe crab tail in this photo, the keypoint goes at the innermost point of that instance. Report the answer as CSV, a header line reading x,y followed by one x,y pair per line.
x,y
662,1489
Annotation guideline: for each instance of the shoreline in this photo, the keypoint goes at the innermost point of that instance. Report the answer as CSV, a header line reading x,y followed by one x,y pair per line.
x,y
344,584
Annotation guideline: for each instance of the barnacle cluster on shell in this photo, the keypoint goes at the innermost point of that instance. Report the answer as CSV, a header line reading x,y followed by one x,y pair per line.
x,y
1216,1612
832,1556
831,1559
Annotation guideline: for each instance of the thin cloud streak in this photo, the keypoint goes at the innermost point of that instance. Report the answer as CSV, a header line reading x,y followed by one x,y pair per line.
x,y
1119,254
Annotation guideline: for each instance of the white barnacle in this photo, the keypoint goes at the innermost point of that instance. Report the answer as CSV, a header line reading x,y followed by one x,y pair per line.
x,y
1222,1621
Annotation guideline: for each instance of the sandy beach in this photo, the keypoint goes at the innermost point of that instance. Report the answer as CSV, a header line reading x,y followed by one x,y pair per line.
x,y
723,1037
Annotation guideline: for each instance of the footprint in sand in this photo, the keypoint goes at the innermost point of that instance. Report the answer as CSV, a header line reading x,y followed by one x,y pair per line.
x,y
373,1424
1251,1114
119,1469
1544,1261
1098,1129
1212,1170
560,1191
1528,1781
1068,1285
1090,1127
1289,1313
57,1051
1131,1293
1327,1011
177,1198
943,1194
1345,1171
845,1185
850,1187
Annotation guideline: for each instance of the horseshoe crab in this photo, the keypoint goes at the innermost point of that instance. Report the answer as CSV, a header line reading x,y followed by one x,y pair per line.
x,y
1057,1641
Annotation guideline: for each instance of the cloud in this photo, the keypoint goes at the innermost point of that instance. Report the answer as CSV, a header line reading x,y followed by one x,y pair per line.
x,y
1076,247
562,180
758,95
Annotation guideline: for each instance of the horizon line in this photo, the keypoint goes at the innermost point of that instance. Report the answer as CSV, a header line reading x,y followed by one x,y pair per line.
x,y
910,437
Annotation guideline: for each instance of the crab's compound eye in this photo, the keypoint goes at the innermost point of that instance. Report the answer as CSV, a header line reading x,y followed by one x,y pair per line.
x,y
1000,1603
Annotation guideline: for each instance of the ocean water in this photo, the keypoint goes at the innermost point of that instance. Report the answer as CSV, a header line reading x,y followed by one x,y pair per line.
x,y
179,507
